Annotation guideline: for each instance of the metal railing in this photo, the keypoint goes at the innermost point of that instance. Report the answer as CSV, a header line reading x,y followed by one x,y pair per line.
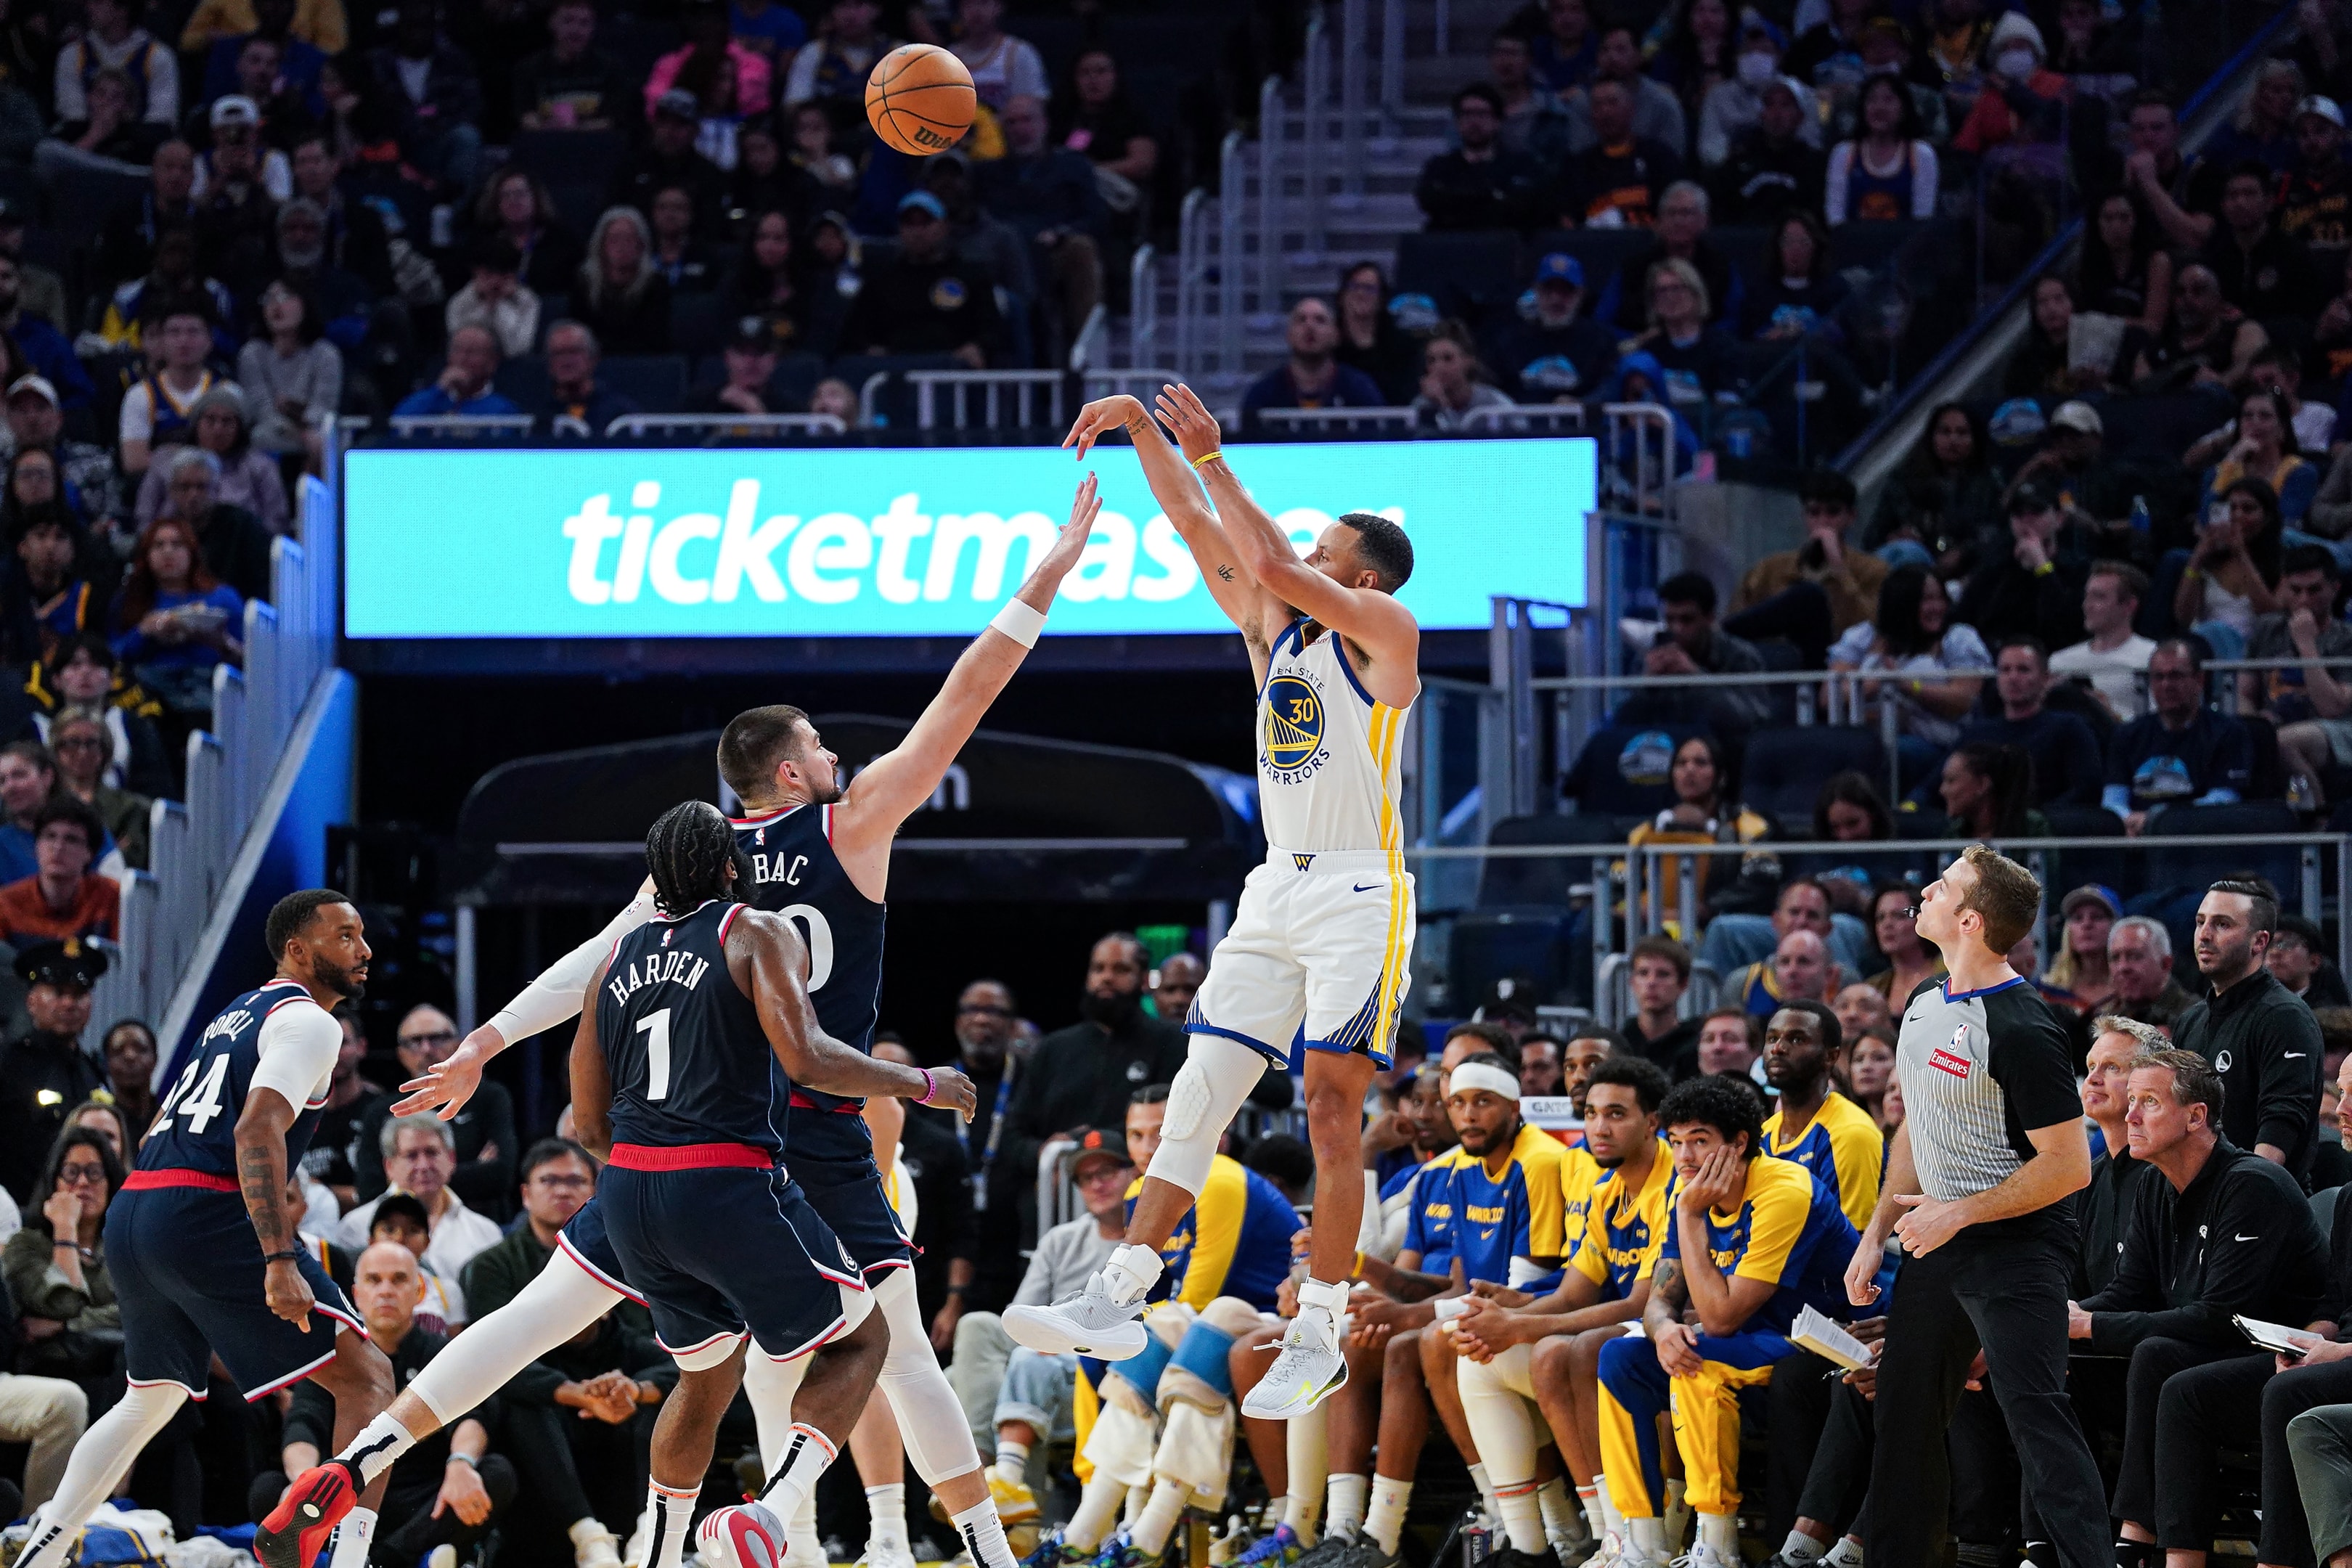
x,y
289,644
1527,419
1271,151
1193,278
1622,913
1143,305
993,384
461,427
1230,267
1327,421
726,424
1093,341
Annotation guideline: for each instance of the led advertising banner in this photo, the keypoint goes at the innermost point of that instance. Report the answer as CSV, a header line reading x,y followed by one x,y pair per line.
x,y
864,542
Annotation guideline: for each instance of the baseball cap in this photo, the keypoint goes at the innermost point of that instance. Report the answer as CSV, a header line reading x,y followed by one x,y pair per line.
x,y
1110,1141
1557,268
2092,893
679,104
2323,106
39,386
2031,497
2077,416
924,201
235,109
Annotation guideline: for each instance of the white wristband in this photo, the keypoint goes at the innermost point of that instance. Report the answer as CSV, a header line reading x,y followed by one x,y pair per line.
x,y
1018,622
1449,1308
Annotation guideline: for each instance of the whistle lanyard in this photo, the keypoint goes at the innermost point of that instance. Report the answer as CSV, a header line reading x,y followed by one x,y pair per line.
x,y
995,1135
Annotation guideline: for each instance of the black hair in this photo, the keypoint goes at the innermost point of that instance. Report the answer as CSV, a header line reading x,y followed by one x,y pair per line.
x,y
1383,546
2192,649
687,852
1482,93
2010,771
2252,169
2310,558
1149,1094
1494,1036
290,917
1639,1074
1728,1105
1829,487
63,808
1283,1160
1899,596
1922,458
2289,443
2257,891
1833,1032
755,742
2025,640
399,1205
73,1138
2306,931
1851,788
1608,1036
548,1150
1689,588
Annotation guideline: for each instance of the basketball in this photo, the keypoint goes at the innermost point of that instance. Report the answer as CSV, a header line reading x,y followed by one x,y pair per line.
x,y
919,100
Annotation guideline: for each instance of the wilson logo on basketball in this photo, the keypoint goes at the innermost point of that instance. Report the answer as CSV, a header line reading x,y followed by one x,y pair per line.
x,y
1943,1060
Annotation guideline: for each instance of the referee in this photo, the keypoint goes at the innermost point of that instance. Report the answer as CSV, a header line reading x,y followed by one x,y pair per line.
x,y
1991,1147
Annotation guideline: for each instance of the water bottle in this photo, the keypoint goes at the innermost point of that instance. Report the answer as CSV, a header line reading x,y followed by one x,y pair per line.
x,y
2139,523
1477,1539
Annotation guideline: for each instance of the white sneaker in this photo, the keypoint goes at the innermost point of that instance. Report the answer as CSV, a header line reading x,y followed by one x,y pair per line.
x,y
442,1556
887,1557
1086,1323
1614,1551
1310,1369
1702,1555
596,1548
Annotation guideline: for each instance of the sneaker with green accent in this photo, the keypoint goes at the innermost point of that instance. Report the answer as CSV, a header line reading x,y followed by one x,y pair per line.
x,y
1052,1552
1117,1552
1310,1370
1282,1548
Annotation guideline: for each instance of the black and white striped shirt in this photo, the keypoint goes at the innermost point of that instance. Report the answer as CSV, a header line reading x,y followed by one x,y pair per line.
x,y
1978,1068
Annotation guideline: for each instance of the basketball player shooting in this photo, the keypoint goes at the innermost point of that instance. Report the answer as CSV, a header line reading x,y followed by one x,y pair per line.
x,y
1321,939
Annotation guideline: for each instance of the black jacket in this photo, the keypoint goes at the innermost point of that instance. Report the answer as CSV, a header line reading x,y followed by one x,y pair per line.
x,y
2238,1238
2102,1212
2265,1044
2002,599
1457,193
34,1067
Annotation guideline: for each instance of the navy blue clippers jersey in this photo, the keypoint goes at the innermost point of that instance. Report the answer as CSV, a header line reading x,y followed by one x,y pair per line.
x,y
796,875
195,1127
690,1061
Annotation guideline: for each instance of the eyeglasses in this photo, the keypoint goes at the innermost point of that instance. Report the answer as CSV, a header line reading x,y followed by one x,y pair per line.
x,y
438,1036
560,1183
74,1175
77,743
982,1009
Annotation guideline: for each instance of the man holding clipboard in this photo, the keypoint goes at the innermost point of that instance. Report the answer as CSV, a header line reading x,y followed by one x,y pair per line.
x,y
2224,1233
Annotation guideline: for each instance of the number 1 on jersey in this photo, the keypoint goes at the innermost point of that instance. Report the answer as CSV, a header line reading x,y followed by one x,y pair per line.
x,y
656,1029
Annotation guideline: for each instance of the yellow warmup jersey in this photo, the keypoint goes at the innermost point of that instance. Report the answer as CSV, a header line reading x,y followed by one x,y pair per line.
x,y
1844,1147
1579,1173
1328,774
1625,1229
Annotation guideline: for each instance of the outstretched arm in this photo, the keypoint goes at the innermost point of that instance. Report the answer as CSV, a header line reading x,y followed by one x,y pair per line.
x,y
896,783
1373,620
444,1088
765,956
1176,490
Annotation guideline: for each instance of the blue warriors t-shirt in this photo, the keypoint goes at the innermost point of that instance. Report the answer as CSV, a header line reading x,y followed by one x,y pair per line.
x,y
1844,1147
1429,1229
1233,1241
1624,1227
1516,1213
1788,1232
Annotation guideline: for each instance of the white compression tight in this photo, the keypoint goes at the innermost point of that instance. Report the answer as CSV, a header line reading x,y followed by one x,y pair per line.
x,y
930,1418
103,1454
557,1305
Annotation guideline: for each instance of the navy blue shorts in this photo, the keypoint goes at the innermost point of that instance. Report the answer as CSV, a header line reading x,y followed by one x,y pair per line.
x,y
830,1153
590,1247
188,1275
724,1251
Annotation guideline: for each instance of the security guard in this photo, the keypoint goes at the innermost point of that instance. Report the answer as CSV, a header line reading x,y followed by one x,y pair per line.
x,y
46,1073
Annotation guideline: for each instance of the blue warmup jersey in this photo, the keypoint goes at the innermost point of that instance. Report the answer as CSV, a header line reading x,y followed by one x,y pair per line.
x,y
795,874
195,1126
690,1061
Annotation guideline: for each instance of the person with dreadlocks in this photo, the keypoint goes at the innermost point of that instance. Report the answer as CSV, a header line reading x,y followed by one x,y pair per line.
x,y
820,848
674,1083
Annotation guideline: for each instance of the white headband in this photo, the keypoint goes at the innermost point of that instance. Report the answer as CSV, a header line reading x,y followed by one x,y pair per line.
x,y
1478,1075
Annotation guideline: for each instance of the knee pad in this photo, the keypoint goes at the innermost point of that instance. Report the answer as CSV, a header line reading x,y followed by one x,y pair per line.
x,y
1141,1372
931,1422
1217,1075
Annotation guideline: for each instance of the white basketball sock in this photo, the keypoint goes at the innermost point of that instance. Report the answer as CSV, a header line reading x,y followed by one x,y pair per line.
x,y
671,1512
984,1535
379,1446
1011,1461
1720,1530
1160,1515
1385,1521
1559,1520
1485,1491
886,1518
1343,1512
1522,1518
807,1453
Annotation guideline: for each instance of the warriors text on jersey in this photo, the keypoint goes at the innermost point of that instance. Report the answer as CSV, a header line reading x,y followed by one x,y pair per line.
x,y
1326,752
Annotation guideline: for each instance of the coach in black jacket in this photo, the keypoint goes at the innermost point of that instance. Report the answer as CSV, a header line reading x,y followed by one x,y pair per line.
x,y
2258,1036
2223,1232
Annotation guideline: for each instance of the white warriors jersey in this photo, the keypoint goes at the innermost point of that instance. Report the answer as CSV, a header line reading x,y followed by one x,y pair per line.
x,y
1326,751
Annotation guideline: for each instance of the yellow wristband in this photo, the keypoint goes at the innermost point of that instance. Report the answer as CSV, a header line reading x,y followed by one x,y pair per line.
x,y
1356,1270
1208,457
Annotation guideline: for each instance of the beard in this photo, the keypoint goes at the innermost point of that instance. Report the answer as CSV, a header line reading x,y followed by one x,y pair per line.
x,y
1111,1012
341,981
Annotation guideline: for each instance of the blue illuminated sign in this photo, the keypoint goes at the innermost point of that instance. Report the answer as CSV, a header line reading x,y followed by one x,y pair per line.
x,y
642,543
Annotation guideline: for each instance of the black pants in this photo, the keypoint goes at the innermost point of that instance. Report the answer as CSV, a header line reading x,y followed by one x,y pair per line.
x,y
575,1469
2004,1292
1802,1393
2155,1363
409,1531
1984,1470
2241,1402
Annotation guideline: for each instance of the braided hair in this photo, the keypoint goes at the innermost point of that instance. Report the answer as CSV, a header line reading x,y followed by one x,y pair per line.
x,y
689,851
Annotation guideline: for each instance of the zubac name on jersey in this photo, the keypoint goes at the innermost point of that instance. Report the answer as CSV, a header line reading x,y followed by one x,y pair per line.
x,y
195,1127
795,874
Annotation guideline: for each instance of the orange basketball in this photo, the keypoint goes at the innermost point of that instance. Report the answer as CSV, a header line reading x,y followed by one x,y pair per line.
x,y
919,100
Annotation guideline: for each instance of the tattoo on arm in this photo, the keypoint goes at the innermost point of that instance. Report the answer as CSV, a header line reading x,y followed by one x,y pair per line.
x,y
1667,1284
262,1179
1226,573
